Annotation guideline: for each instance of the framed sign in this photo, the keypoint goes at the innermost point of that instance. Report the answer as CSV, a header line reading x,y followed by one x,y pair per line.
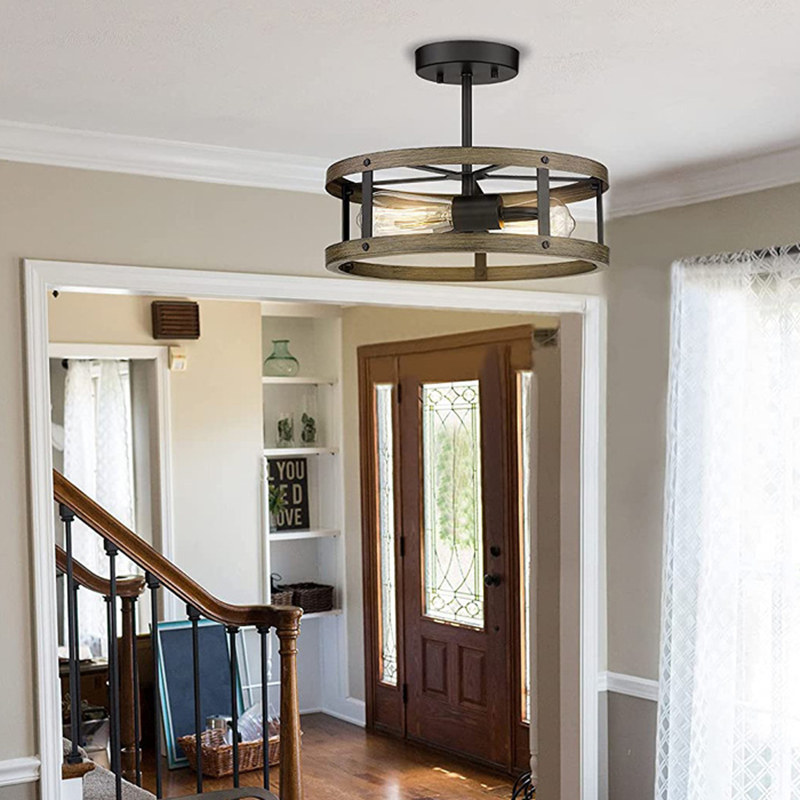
x,y
176,680
290,476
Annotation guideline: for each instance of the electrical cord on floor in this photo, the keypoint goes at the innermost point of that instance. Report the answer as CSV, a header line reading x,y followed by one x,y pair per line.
x,y
524,788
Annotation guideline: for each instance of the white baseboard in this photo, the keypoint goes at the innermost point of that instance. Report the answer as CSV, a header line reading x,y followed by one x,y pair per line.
x,y
19,770
349,710
631,685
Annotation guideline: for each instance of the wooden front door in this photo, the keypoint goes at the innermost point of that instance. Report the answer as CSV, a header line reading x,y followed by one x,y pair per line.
x,y
456,563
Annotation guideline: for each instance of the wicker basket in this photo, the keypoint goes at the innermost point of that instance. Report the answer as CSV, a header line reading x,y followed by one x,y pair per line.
x,y
310,597
218,756
281,597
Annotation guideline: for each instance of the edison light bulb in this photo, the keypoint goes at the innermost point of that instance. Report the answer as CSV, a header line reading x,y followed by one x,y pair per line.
x,y
516,207
405,212
396,213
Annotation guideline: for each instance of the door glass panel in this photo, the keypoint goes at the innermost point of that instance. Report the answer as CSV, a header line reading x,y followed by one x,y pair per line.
x,y
453,519
524,446
386,532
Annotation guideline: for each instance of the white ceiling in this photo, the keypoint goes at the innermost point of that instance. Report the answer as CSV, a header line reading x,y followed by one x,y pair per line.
x,y
646,86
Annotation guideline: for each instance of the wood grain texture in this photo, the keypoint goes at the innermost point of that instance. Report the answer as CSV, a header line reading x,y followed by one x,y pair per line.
x,y
69,771
173,578
583,256
131,586
336,176
343,762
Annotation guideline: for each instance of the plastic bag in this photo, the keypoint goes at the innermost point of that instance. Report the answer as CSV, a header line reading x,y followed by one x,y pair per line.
x,y
251,723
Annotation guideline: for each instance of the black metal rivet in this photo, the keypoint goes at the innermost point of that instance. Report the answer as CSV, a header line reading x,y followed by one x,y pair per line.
x,y
55,292
365,246
367,162
545,159
546,244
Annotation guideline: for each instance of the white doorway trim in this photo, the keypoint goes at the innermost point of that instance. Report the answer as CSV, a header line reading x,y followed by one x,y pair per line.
x,y
160,355
40,277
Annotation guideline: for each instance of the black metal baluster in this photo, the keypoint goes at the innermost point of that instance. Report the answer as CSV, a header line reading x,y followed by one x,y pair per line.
x,y
137,734
263,632
73,640
232,631
153,585
194,616
113,667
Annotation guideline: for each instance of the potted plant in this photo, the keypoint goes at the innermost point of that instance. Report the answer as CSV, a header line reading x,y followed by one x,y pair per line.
x,y
277,502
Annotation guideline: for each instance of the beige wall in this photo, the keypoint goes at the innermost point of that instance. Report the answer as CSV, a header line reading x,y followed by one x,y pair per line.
x,y
216,429
23,791
643,248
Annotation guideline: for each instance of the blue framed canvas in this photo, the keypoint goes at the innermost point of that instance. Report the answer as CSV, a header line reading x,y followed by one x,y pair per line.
x,y
176,680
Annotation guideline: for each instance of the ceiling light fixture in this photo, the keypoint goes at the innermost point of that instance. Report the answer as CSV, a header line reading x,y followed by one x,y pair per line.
x,y
485,213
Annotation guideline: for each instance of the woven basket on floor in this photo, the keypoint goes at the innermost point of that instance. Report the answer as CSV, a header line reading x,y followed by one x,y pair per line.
x,y
311,597
218,756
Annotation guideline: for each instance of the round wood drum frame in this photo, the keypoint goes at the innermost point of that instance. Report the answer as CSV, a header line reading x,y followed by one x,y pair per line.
x,y
584,179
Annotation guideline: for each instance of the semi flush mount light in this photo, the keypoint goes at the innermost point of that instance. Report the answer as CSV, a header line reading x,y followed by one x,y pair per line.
x,y
504,201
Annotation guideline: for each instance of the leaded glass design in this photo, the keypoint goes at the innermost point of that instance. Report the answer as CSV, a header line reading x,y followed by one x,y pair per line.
x,y
386,533
525,389
453,519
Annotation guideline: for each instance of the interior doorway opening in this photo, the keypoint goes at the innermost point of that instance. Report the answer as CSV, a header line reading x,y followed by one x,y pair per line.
x,y
292,292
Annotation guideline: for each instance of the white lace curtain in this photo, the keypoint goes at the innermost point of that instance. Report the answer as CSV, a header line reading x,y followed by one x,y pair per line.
x,y
98,459
729,712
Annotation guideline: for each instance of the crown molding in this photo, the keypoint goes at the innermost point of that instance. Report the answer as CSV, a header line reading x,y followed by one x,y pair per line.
x,y
138,155
704,182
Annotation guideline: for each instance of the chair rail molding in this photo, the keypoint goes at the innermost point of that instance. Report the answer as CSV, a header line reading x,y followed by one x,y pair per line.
x,y
631,685
40,277
14,771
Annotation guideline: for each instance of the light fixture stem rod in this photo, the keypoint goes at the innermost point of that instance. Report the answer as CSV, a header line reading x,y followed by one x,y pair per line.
x,y
467,182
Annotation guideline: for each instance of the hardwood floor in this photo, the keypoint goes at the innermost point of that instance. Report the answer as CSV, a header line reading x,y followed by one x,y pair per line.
x,y
344,762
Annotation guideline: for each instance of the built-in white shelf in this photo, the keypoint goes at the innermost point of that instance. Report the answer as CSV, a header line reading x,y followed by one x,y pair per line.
x,y
294,536
334,612
297,380
282,452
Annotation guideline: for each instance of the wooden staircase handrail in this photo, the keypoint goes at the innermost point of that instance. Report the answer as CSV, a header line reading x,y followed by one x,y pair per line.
x,y
161,568
129,586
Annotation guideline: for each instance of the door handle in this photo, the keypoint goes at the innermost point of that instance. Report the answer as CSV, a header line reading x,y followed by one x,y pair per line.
x,y
491,579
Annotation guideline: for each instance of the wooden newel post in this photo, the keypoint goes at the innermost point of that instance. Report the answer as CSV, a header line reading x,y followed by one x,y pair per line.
x,y
291,786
